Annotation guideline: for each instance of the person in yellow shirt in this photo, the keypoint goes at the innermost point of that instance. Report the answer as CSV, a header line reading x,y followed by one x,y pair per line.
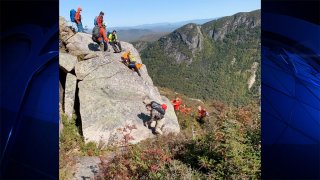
x,y
129,60
114,42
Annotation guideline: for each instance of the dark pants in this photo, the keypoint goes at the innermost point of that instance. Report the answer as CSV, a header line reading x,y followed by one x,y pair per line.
x,y
132,65
114,45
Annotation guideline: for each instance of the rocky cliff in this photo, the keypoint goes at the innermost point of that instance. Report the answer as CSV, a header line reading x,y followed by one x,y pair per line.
x,y
105,93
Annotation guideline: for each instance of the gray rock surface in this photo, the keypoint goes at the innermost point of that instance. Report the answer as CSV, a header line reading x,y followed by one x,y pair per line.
x,y
70,94
87,168
81,44
67,62
111,97
65,30
182,41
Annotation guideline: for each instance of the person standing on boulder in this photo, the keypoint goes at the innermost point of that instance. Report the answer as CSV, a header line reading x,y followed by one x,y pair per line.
x,y
100,19
77,19
114,42
157,113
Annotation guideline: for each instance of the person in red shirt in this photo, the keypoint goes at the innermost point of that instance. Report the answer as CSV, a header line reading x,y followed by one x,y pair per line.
x,y
176,103
100,19
202,113
77,18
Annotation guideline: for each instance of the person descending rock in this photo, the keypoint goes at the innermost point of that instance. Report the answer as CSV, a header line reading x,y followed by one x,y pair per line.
x,y
176,103
114,42
77,19
157,113
202,113
99,36
129,60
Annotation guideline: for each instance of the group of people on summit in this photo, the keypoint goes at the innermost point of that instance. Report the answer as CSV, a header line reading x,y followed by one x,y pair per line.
x,y
99,32
102,38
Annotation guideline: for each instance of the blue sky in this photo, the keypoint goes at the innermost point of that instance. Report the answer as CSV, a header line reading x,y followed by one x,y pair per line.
x,y
137,12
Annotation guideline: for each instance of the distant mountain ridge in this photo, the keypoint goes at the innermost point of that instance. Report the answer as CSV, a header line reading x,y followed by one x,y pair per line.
x,y
217,60
151,32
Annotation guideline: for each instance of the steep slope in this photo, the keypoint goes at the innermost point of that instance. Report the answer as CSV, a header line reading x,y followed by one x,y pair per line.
x,y
217,60
106,94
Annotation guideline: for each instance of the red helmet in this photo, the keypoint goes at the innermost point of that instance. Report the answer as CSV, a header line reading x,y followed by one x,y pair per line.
x,y
164,106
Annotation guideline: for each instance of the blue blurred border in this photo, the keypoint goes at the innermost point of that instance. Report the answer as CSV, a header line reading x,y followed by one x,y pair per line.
x,y
29,90
290,99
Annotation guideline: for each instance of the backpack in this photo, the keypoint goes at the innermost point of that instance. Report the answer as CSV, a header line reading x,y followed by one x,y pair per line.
x,y
95,33
95,21
158,107
72,15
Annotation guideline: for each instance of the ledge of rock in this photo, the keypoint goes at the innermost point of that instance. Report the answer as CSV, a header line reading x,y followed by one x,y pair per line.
x,y
110,94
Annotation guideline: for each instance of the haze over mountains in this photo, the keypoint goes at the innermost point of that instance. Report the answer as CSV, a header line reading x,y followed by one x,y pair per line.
x,y
151,32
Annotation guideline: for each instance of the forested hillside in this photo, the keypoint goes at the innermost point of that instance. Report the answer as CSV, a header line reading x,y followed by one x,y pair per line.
x,y
218,60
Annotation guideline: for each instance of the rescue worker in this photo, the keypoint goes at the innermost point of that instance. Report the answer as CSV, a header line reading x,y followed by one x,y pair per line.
x,y
113,41
202,113
176,103
129,60
157,112
99,36
77,19
100,19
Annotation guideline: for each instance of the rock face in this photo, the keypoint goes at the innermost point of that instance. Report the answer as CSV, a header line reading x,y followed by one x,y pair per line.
x,y
65,31
217,30
86,168
81,43
183,43
252,78
67,62
70,94
111,97
110,94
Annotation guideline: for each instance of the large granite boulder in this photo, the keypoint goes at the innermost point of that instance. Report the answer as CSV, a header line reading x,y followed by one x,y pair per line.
x,y
81,44
70,94
67,62
111,97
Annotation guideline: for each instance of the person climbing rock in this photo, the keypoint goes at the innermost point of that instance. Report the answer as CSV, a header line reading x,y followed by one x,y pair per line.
x,y
176,103
129,60
202,114
99,36
157,113
114,42
77,19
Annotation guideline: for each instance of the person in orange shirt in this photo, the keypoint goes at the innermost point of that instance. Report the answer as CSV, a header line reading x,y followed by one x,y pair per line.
x,y
100,19
176,103
77,19
202,113
99,36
